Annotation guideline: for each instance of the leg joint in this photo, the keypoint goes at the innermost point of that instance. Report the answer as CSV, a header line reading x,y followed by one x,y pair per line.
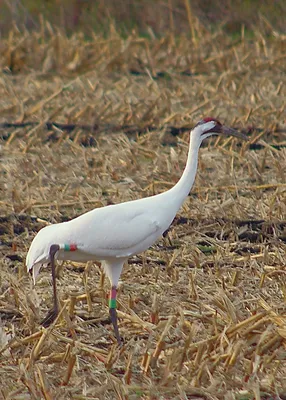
x,y
53,249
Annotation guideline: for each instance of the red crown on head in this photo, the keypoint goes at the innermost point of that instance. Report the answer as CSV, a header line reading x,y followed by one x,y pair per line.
x,y
210,119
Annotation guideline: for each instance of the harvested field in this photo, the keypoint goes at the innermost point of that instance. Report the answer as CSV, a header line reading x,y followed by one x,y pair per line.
x,y
90,123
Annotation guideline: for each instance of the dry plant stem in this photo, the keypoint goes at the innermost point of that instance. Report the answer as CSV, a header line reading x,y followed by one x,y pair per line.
x,y
52,314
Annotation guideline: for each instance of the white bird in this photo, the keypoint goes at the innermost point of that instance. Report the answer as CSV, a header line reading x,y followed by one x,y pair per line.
x,y
114,233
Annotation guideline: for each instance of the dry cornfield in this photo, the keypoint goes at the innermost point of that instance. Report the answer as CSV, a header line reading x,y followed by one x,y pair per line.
x,y
86,123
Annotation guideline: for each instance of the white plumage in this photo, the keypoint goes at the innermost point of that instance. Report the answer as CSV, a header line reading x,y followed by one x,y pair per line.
x,y
113,233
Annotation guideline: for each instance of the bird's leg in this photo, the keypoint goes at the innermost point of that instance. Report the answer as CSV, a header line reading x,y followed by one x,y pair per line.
x,y
52,314
113,313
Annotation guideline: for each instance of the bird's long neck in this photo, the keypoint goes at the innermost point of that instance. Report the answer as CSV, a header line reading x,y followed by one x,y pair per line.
x,y
182,188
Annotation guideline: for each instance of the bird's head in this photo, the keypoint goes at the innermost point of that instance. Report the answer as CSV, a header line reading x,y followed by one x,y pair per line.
x,y
211,126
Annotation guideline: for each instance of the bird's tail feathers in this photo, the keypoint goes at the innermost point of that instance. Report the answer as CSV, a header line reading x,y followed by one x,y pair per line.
x,y
36,270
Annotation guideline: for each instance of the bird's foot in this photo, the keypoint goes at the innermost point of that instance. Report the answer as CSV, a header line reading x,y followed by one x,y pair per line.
x,y
49,318
119,341
113,317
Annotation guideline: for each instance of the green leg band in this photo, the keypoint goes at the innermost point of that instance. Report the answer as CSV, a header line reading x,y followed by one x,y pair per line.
x,y
112,303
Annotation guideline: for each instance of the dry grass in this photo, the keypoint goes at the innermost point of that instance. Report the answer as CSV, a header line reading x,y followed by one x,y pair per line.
x,y
148,17
202,312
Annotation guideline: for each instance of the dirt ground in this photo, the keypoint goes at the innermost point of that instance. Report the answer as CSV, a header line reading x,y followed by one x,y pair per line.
x,y
202,313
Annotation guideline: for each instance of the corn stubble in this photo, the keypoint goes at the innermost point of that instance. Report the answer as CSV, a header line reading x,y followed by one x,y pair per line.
x,y
203,313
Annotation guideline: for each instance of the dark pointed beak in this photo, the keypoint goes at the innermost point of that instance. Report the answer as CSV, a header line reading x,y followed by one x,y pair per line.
x,y
225,131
